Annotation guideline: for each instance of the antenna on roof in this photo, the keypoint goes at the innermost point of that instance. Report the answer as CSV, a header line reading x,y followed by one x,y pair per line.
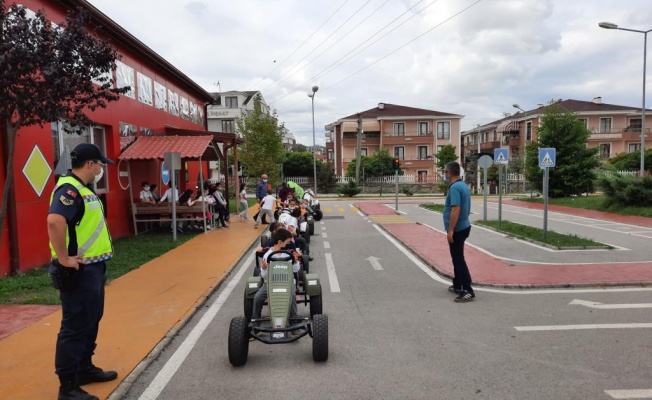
x,y
219,89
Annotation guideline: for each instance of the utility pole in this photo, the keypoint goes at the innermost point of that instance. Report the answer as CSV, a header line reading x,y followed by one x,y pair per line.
x,y
358,150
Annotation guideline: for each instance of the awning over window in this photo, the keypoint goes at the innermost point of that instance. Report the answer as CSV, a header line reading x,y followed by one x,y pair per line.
x,y
155,147
507,126
367,126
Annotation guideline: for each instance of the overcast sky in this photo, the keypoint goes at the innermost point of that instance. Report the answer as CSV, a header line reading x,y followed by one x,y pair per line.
x,y
469,57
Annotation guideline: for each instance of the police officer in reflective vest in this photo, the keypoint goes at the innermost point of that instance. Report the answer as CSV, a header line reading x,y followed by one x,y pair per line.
x,y
80,244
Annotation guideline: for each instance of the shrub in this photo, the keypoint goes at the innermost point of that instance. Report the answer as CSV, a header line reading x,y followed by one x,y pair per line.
x,y
627,190
350,189
407,191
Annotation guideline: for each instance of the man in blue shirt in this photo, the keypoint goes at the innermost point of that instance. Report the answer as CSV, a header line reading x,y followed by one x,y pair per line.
x,y
456,222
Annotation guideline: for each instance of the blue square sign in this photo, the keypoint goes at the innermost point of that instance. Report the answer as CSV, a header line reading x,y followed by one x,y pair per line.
x,y
501,156
547,157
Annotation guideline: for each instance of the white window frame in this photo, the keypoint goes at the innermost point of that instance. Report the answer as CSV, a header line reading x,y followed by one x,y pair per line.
x,y
399,151
397,131
144,89
228,101
226,123
605,129
364,151
441,132
422,173
601,153
419,157
420,131
637,147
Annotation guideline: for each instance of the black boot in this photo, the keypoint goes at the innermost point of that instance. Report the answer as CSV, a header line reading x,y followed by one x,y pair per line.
x,y
92,374
70,390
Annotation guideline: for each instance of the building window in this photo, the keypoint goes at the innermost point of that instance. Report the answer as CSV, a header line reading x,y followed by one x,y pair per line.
x,y
635,125
399,128
364,152
443,130
399,152
228,126
330,154
585,122
605,125
423,128
422,176
528,131
485,137
65,142
605,150
634,147
422,152
231,102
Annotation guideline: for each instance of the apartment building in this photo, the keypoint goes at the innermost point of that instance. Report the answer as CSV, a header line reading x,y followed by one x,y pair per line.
x,y
615,129
414,135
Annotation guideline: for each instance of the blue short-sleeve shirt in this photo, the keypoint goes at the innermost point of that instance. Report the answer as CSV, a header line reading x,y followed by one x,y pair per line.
x,y
458,195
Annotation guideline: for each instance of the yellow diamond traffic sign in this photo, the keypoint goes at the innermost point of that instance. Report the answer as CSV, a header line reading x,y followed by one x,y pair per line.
x,y
37,170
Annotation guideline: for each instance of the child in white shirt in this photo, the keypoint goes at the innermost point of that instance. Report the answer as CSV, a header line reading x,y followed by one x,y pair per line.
x,y
266,207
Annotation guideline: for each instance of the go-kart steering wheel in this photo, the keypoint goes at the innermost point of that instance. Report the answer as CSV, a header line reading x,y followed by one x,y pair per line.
x,y
287,256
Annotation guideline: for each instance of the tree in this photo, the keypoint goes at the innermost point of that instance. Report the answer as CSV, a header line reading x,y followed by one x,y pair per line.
x,y
631,161
380,164
575,163
298,164
299,148
262,151
47,74
445,155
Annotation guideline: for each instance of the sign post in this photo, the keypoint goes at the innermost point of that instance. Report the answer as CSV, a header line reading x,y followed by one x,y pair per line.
x,y
547,159
485,162
501,156
173,160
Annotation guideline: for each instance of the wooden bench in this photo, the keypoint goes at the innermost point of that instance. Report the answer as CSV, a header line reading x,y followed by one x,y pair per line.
x,y
147,213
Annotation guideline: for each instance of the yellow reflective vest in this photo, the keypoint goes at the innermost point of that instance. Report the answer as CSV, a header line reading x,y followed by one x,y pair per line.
x,y
93,238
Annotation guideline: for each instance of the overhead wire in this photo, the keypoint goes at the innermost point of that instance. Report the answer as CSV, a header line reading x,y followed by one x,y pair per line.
x,y
318,46
278,65
339,61
390,53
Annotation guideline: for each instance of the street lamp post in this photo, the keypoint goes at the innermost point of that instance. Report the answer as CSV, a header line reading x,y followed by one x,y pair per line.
x,y
609,25
314,149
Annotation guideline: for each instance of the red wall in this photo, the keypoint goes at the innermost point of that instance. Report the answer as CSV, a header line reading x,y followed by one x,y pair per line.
x,y
32,208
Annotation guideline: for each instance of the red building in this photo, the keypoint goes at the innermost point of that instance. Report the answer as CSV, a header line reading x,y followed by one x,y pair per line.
x,y
162,98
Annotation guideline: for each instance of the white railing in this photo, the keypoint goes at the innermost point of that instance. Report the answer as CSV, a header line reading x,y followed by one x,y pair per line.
x,y
619,172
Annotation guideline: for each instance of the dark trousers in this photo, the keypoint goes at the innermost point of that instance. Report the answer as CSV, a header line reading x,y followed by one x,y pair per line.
x,y
462,277
82,309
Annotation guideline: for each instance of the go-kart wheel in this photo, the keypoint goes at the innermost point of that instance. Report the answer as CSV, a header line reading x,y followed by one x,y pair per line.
x,y
301,277
239,341
317,214
311,229
305,260
315,305
320,338
263,240
248,307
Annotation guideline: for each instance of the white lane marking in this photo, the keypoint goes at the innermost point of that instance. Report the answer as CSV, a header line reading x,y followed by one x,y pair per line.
x,y
323,228
564,220
438,278
375,263
324,234
170,368
601,306
538,262
327,245
580,327
332,276
630,394
391,207
321,222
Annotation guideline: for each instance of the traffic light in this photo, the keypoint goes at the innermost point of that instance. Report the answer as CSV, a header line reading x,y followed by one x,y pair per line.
x,y
397,163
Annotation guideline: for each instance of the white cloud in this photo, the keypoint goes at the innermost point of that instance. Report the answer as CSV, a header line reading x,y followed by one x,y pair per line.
x,y
477,64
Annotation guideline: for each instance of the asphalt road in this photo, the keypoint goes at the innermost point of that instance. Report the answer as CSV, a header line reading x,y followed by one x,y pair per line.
x,y
395,333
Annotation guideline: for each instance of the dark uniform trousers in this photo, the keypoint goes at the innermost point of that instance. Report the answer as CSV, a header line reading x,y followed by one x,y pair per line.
x,y
82,309
462,277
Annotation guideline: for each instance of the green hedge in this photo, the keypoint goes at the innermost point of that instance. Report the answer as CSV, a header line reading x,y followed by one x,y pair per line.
x,y
627,191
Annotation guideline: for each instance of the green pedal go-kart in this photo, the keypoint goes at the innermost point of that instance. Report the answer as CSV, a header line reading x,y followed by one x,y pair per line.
x,y
279,327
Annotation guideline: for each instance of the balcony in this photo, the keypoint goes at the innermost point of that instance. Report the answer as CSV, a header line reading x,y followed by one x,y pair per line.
x,y
368,138
393,138
629,133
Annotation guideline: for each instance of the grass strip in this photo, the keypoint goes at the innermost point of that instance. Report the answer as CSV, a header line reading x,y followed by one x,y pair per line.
x,y
554,239
596,203
433,207
35,286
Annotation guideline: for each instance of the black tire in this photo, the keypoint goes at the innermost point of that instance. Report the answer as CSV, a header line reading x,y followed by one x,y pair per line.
x,y
306,263
263,240
317,215
239,341
315,306
320,338
248,308
311,229
301,276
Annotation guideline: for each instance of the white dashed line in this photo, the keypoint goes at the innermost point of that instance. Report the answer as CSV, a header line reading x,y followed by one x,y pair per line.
x,y
332,276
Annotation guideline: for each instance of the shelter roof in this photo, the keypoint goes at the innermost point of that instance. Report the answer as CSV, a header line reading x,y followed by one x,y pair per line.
x,y
155,147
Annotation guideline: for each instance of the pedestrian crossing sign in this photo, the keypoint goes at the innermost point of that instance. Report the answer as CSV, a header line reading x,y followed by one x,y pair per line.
x,y
547,157
501,156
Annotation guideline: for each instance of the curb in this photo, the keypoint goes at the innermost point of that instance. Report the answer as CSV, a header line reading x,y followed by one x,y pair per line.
x,y
130,379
